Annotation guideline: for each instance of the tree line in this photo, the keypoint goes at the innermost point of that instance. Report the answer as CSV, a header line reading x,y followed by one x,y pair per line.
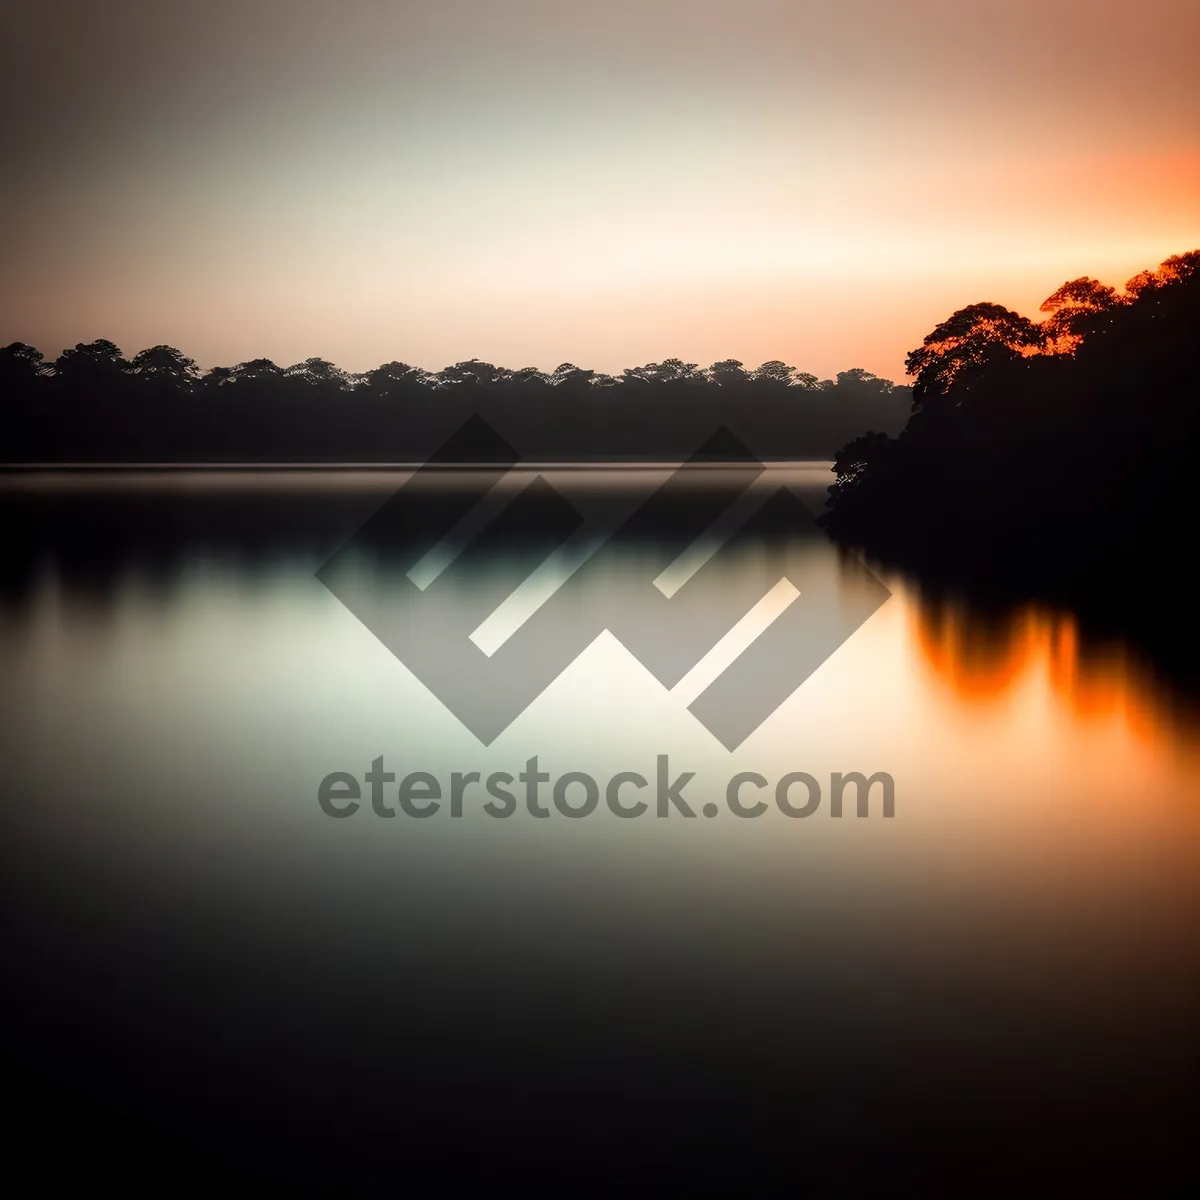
x,y
93,404
1057,458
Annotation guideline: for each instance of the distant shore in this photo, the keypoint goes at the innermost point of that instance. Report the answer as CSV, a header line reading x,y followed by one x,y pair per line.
x,y
49,468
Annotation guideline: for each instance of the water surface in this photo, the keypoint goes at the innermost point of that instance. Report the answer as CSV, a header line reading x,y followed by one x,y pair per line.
x,y
999,982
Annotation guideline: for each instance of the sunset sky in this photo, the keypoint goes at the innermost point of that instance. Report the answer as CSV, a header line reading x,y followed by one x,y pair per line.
x,y
533,181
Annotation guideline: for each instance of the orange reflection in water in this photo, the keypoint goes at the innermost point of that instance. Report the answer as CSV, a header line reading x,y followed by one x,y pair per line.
x,y
986,658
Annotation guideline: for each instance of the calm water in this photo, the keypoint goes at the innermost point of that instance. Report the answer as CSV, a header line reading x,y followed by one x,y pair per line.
x,y
997,985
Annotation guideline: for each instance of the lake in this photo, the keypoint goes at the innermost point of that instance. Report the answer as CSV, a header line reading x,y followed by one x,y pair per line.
x,y
997,984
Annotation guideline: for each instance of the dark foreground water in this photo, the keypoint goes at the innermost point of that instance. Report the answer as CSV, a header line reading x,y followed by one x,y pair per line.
x,y
208,978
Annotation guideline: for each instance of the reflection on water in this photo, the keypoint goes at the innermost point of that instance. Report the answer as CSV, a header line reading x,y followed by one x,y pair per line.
x,y
1008,966
986,659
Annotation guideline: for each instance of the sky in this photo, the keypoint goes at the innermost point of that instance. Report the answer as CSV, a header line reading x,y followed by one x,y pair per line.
x,y
608,183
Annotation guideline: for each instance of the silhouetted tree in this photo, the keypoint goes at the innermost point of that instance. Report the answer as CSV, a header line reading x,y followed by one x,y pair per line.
x,y
90,363
972,339
570,378
20,365
728,373
1056,460
774,372
530,377
1074,310
472,373
257,368
670,370
164,365
396,379
318,373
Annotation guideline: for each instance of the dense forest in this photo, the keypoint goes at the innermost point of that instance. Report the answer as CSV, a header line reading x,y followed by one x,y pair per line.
x,y
91,404
1058,459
